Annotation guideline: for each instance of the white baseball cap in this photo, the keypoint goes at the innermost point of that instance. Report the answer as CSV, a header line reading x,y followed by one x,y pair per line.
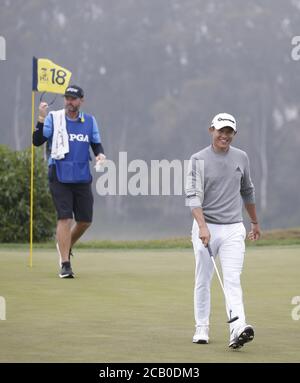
x,y
223,119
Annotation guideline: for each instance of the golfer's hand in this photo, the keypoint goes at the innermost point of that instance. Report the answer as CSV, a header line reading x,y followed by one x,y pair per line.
x,y
255,232
43,111
204,235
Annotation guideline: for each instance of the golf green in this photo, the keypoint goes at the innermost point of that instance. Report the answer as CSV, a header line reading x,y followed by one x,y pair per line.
x,y
137,306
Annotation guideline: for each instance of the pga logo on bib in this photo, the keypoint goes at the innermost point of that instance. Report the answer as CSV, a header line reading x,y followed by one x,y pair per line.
x,y
79,137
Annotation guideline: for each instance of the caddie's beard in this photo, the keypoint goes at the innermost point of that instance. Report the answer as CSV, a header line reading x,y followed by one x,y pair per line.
x,y
72,108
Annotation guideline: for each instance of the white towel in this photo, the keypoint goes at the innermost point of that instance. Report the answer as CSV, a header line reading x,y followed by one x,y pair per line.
x,y
60,141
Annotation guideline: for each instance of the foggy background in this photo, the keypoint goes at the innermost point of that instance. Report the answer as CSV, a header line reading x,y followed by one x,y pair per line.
x,y
155,72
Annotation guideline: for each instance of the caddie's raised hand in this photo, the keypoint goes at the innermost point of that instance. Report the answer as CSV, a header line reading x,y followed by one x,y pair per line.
x,y
43,111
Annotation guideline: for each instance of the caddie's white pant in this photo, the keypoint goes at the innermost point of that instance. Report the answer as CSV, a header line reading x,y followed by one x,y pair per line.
x,y
227,241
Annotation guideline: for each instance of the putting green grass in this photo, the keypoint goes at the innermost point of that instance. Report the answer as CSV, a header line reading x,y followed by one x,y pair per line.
x,y
137,306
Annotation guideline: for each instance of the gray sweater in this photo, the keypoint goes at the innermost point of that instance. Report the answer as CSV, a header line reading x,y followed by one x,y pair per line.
x,y
219,183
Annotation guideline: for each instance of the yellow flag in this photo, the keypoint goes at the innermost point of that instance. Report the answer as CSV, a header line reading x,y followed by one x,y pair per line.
x,y
49,77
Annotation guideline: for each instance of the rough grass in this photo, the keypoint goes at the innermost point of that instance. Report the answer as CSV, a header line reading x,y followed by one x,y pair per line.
x,y
277,237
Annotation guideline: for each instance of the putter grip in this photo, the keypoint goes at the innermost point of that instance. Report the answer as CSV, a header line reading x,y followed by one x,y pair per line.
x,y
209,250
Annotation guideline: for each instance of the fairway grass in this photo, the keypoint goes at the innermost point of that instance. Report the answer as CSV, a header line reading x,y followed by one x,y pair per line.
x,y
137,306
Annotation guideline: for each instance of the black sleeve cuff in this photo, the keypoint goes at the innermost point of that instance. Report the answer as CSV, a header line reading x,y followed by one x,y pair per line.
x,y
37,136
97,148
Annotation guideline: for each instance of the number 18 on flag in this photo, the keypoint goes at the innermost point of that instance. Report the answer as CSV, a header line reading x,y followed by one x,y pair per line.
x,y
49,77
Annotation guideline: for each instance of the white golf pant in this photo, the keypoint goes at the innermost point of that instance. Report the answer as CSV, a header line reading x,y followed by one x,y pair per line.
x,y
227,241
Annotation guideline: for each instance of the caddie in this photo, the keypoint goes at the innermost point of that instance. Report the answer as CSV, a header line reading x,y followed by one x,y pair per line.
x,y
69,134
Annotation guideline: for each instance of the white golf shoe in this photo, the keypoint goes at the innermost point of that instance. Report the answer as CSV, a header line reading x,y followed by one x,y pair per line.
x,y
240,336
201,335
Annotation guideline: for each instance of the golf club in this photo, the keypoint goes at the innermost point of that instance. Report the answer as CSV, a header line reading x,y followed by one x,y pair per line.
x,y
220,280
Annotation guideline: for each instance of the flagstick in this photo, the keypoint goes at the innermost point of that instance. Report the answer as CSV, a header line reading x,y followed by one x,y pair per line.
x,y
31,180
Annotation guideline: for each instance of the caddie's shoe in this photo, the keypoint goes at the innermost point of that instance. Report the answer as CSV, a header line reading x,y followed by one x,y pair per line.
x,y
201,335
242,335
66,270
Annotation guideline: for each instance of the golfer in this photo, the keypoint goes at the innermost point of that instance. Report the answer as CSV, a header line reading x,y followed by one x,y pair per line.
x,y
69,134
218,182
